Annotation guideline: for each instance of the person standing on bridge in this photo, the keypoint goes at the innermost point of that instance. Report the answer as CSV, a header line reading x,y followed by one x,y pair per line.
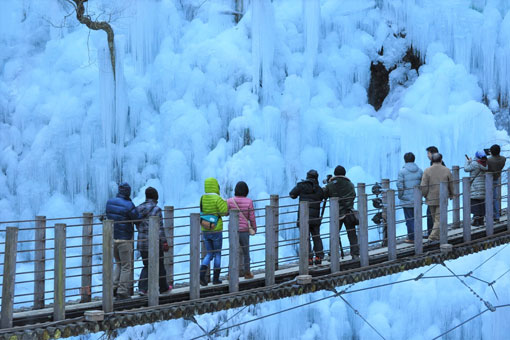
x,y
121,209
430,221
408,177
212,207
432,177
340,186
477,169
309,190
247,222
147,209
496,163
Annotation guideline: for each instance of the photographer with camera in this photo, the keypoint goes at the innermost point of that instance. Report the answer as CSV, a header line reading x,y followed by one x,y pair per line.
x,y
495,163
342,187
309,190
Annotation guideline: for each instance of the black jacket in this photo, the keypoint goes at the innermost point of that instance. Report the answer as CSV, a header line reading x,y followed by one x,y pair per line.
x,y
309,190
341,187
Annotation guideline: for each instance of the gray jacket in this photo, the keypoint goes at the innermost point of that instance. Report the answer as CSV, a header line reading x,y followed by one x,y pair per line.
x,y
147,209
408,177
476,172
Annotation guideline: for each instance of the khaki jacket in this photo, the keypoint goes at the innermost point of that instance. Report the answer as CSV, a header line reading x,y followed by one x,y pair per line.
x,y
430,181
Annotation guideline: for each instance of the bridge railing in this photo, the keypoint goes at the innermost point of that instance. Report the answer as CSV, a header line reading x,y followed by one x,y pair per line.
x,y
57,264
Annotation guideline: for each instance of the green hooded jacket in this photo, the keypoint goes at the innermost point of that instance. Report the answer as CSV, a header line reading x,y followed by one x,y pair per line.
x,y
212,203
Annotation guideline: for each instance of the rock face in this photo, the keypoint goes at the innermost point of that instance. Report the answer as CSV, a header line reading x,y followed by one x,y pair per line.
x,y
379,86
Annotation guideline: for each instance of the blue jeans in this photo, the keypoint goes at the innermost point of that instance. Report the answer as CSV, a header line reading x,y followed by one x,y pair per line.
x,y
495,199
409,216
213,242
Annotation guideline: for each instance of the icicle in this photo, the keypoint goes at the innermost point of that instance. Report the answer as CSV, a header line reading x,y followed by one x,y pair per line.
x,y
312,23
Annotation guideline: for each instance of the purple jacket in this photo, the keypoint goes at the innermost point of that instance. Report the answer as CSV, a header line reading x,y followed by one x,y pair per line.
x,y
246,206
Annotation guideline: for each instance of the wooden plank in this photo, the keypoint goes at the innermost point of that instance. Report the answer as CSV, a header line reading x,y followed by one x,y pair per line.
x,y
153,272
9,276
304,235
271,251
443,213
363,230
489,204
194,262
508,199
108,266
59,300
456,196
334,234
233,253
275,202
40,261
86,257
169,225
418,220
466,208
392,227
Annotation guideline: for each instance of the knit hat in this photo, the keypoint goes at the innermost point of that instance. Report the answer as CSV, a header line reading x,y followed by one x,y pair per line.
x,y
340,171
312,174
124,189
480,154
151,193
241,189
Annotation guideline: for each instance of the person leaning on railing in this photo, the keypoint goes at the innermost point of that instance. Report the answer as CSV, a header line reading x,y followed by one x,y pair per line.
x,y
430,182
496,163
121,208
408,177
477,169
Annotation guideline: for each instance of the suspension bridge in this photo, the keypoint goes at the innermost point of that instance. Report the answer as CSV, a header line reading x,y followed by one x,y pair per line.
x,y
57,278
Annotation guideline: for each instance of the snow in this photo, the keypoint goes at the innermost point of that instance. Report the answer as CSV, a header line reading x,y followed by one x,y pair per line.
x,y
264,100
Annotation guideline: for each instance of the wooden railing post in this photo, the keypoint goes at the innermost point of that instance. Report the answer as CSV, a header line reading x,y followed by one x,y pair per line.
x,y
194,262
304,235
169,224
108,266
489,204
239,10
418,221
233,251
385,185
508,199
86,258
271,251
153,272
392,228
498,195
334,234
40,261
466,208
363,230
9,276
275,202
59,300
443,213
456,196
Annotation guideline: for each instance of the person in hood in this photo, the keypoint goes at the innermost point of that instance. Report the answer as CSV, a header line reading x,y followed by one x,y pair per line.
x,y
496,163
121,209
147,209
477,168
408,177
309,190
340,186
211,203
247,221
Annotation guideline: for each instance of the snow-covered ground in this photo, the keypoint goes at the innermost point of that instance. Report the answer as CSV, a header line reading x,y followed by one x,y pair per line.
x,y
263,101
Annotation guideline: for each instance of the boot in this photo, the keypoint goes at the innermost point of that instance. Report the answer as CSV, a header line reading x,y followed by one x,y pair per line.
x,y
203,271
216,276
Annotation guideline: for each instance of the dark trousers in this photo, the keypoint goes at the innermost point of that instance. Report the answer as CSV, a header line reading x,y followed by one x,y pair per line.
x,y
409,216
430,221
478,208
353,237
244,242
318,249
143,283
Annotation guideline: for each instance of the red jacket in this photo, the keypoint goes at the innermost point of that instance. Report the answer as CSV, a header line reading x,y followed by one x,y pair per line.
x,y
246,206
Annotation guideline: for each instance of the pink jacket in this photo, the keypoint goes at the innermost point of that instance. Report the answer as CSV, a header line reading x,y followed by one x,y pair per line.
x,y
246,206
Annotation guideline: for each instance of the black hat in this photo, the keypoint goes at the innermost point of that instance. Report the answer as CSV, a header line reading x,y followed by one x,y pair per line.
x,y
340,171
312,174
151,193
124,189
241,189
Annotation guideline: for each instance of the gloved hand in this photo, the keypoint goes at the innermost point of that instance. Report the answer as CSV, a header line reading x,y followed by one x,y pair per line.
x,y
165,247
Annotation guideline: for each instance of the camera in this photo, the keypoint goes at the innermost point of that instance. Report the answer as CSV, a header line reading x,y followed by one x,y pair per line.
x,y
328,178
487,151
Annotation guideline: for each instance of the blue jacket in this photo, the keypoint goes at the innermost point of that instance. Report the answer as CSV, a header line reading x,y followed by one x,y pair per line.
x,y
121,208
408,177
